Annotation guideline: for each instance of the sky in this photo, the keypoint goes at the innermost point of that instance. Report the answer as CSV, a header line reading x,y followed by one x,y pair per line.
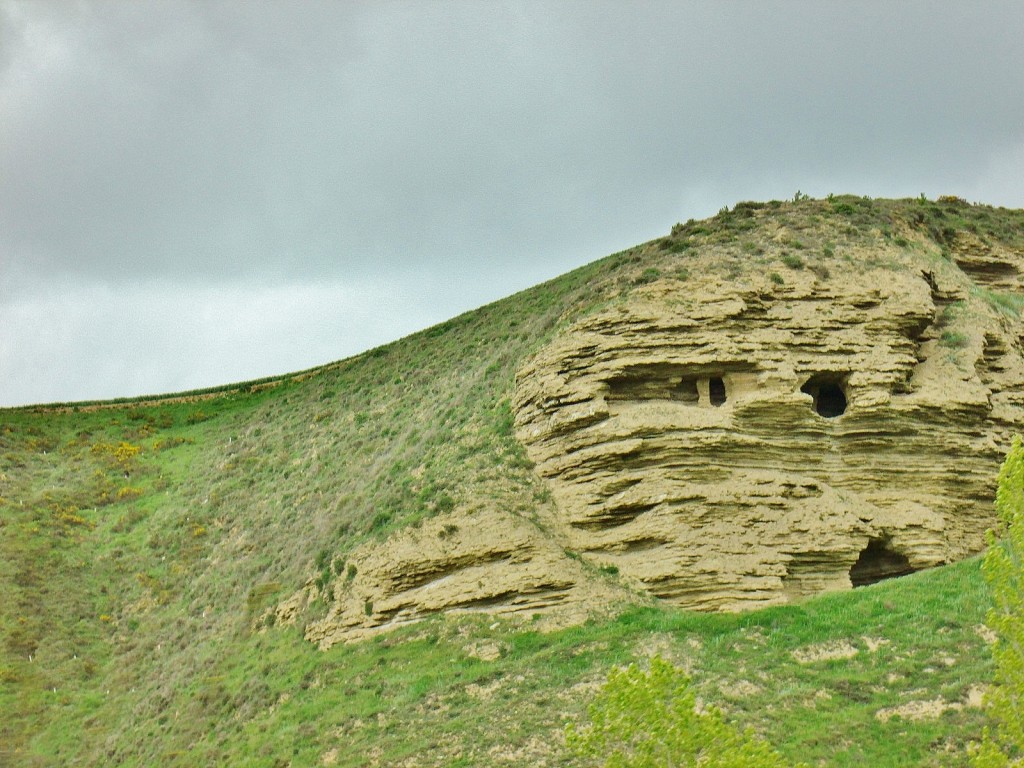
x,y
198,193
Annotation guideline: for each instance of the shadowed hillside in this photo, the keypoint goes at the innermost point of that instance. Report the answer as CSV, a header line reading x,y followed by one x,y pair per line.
x,y
169,565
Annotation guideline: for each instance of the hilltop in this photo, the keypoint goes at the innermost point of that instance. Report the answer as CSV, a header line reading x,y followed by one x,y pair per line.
x,y
491,530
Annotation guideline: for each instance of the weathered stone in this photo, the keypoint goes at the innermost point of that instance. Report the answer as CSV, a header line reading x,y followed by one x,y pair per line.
x,y
732,440
733,443
459,563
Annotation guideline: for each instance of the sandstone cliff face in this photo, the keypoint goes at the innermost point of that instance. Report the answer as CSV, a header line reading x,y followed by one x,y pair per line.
x,y
756,429
485,562
734,442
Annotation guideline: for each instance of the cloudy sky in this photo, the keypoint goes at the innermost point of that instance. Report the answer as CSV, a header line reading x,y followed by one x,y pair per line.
x,y
195,193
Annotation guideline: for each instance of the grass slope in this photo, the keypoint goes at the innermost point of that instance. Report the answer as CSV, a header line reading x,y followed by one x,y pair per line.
x,y
139,538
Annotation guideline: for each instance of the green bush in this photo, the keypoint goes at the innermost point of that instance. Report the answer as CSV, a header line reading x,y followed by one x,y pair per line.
x,y
323,559
197,417
1004,571
649,275
673,245
649,719
792,261
953,339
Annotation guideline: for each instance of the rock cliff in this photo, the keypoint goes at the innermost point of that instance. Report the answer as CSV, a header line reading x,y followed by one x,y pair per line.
x,y
487,562
747,413
727,443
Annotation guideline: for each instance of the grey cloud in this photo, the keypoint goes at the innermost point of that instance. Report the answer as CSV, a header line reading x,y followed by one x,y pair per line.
x,y
153,337
481,145
186,138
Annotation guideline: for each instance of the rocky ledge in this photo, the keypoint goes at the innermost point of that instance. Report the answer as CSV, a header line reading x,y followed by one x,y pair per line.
x,y
729,442
735,426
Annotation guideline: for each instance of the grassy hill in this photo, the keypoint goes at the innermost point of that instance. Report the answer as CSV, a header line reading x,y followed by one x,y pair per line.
x,y
140,539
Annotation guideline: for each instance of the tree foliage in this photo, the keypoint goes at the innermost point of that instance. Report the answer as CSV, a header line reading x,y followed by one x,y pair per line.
x,y
1003,567
650,720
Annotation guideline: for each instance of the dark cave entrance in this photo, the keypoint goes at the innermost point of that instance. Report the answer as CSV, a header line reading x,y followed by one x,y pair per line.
x,y
828,393
878,562
686,391
716,390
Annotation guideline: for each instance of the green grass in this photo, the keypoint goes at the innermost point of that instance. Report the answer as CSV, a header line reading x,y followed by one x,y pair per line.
x,y
953,339
266,698
1005,302
132,581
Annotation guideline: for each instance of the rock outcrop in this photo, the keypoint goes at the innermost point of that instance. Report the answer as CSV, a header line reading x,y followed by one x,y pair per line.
x,y
728,442
485,562
734,423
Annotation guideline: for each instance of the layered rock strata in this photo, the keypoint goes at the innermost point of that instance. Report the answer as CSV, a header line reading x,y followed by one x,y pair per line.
x,y
728,443
749,435
487,562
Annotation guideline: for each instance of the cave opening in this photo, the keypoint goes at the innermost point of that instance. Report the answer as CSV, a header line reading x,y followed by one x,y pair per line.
x,y
686,391
716,390
828,394
877,562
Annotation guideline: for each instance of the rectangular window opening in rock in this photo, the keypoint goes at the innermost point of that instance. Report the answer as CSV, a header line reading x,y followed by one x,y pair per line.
x,y
686,391
716,391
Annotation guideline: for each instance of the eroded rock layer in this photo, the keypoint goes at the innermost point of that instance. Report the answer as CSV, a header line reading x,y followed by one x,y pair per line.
x,y
485,562
730,442
781,401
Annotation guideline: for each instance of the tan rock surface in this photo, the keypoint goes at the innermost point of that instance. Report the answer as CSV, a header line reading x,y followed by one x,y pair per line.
x,y
692,434
746,435
484,562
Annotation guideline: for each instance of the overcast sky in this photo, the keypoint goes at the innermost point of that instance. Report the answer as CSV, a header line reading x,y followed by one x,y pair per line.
x,y
196,193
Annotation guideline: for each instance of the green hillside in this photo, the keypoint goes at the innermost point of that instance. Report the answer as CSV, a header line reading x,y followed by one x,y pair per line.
x,y
140,540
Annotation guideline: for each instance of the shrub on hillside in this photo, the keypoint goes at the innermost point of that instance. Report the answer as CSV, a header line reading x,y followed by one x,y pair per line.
x,y
1003,567
792,261
649,719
